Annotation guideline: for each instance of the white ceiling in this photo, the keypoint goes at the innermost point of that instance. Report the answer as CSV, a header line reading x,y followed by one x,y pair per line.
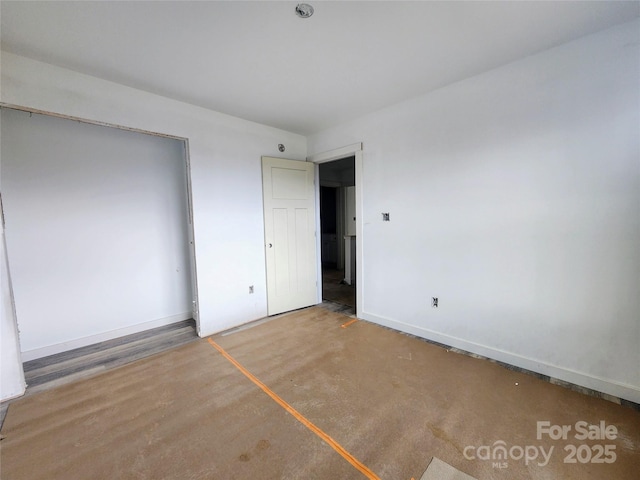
x,y
259,61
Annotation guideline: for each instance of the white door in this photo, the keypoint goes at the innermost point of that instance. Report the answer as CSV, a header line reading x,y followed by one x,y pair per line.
x,y
289,225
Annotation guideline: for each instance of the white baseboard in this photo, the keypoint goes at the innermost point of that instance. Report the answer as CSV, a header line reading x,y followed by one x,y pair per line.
x,y
102,337
620,390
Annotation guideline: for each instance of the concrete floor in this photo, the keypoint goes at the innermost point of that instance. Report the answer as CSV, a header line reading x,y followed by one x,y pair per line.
x,y
389,400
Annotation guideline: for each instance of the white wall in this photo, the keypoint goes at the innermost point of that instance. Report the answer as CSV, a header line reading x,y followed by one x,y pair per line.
x,y
514,197
224,165
97,226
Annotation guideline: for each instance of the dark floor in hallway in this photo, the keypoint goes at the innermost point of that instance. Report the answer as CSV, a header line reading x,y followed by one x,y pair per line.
x,y
334,289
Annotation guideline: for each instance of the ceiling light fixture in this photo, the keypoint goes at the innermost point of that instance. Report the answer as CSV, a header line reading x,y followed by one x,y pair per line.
x,y
304,10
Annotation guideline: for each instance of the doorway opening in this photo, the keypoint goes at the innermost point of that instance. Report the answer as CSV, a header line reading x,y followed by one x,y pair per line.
x,y
338,232
116,205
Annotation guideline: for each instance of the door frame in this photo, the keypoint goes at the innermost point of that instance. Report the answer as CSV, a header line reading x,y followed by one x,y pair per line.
x,y
189,214
353,150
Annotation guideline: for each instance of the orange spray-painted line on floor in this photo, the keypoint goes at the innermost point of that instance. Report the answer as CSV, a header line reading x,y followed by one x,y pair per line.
x,y
327,439
345,325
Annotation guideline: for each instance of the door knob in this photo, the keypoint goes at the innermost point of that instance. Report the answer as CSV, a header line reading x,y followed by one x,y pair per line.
x,y
270,245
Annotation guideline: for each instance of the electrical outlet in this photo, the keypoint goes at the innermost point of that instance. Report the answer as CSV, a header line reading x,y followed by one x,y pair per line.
x,y
434,302
250,288
385,217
